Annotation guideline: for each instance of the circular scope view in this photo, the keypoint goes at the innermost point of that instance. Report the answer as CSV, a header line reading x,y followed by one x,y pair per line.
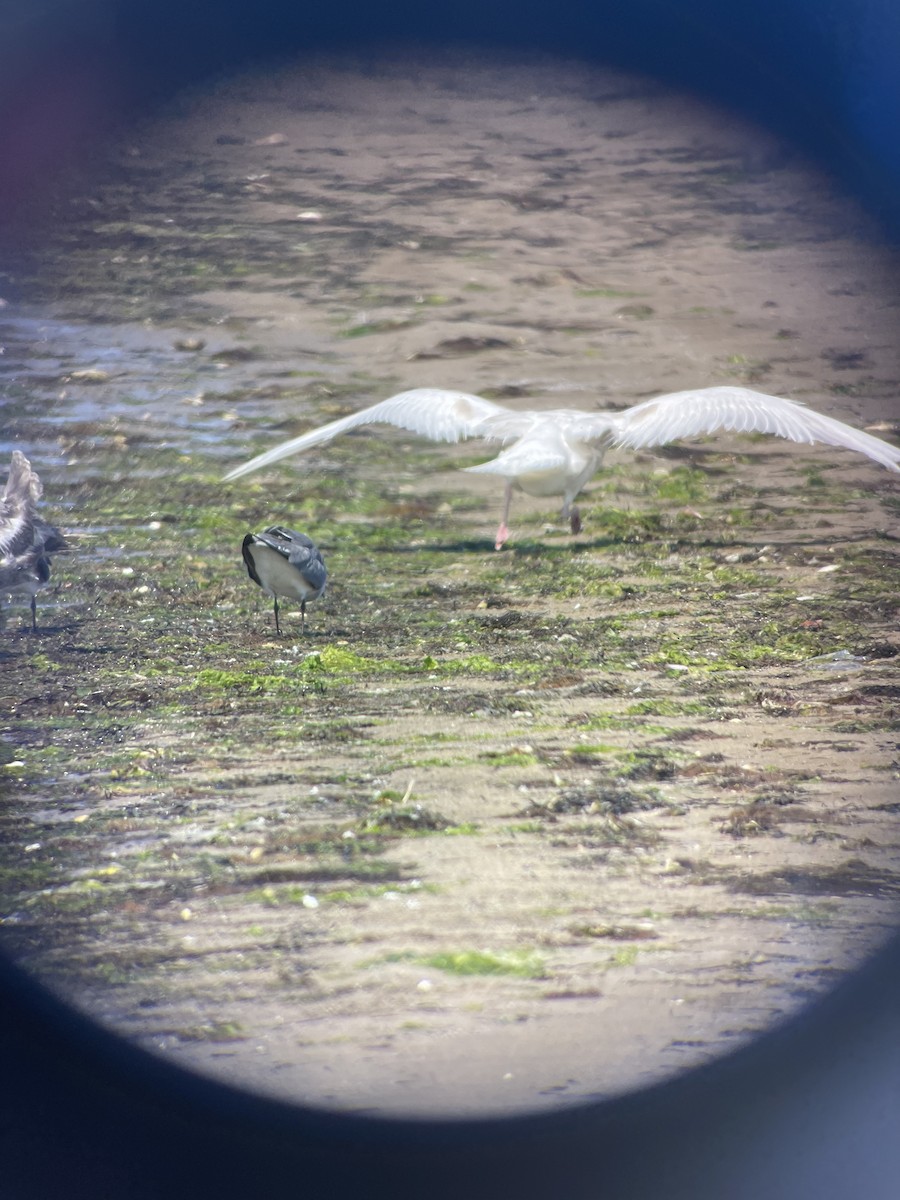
x,y
378,783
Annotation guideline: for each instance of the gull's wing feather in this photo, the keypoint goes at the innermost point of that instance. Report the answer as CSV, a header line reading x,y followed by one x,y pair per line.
x,y
740,410
442,416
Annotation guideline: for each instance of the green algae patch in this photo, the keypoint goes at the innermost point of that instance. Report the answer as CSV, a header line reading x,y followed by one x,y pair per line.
x,y
516,757
335,660
246,682
475,664
309,673
524,964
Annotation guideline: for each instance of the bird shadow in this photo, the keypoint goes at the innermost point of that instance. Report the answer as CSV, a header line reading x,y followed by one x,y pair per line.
x,y
12,633
534,547
521,548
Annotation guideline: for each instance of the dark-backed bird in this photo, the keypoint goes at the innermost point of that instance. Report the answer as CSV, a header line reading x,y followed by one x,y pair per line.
x,y
556,452
287,564
26,540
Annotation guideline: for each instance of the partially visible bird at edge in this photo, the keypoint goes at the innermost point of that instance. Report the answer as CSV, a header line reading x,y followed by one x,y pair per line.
x,y
556,452
26,540
287,564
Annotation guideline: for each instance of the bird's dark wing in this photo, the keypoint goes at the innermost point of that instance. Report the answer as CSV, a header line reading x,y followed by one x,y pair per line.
x,y
282,533
247,555
310,564
279,545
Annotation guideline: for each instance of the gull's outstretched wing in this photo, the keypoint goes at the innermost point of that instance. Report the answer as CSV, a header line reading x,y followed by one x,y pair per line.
x,y
740,410
441,416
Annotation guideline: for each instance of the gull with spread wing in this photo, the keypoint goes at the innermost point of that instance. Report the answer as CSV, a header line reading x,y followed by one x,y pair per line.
x,y
556,452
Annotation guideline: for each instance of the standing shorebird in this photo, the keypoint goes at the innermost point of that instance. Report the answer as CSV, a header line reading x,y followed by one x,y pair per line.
x,y
556,452
26,541
285,563
25,575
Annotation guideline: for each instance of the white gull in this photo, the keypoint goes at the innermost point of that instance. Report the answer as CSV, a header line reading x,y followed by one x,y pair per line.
x,y
556,452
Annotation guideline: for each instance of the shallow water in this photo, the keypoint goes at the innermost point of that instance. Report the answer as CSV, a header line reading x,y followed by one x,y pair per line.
x,y
503,831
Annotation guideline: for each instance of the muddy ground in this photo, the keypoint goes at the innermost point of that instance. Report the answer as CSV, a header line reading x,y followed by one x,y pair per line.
x,y
501,830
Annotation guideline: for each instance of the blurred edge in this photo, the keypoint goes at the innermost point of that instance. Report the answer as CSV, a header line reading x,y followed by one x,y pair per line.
x,y
813,1109
820,72
810,1111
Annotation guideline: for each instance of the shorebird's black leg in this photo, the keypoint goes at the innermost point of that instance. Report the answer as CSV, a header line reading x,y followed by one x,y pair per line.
x,y
277,626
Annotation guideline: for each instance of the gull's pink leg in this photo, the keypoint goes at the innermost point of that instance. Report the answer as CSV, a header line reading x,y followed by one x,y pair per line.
x,y
503,528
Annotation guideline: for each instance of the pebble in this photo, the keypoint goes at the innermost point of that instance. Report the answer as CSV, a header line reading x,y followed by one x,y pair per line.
x,y
89,375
